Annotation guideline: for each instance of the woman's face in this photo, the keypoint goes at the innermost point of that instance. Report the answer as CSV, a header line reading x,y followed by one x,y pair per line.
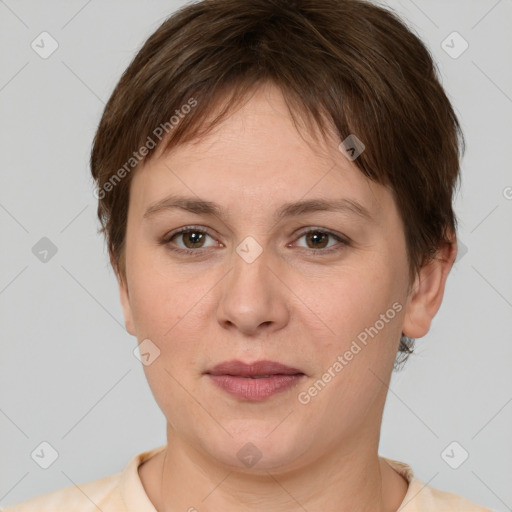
x,y
255,286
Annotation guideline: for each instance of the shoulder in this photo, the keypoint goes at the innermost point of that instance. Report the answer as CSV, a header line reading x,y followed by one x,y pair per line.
x,y
80,498
119,492
421,497
425,498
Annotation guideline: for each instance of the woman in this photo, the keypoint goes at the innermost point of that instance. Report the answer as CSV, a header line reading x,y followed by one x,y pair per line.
x,y
275,183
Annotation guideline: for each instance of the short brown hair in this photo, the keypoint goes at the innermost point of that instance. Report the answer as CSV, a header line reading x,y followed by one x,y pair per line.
x,y
347,65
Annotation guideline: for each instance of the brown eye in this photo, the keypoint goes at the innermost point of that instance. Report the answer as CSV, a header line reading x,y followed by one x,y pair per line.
x,y
188,240
318,240
193,239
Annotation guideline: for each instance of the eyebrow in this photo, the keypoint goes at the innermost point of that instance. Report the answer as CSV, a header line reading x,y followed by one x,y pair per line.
x,y
202,207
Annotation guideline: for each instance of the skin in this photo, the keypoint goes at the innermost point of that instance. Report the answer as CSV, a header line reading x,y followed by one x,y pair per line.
x,y
289,305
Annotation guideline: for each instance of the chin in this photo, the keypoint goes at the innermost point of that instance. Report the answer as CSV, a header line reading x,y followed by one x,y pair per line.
x,y
252,449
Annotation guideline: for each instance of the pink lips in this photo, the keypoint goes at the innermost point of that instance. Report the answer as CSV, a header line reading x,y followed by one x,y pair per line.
x,y
256,381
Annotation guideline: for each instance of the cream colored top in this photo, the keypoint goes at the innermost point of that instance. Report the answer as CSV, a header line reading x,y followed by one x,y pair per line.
x,y
124,492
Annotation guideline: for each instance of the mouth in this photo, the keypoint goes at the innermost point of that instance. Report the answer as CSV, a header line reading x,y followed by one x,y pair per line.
x,y
256,381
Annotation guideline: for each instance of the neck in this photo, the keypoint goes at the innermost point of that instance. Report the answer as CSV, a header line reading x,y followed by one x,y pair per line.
x,y
351,477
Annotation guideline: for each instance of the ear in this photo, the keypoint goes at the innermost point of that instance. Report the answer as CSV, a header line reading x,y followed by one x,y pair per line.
x,y
123,291
428,290
125,303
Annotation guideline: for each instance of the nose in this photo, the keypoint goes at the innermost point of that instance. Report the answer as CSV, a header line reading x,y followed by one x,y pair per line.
x,y
253,298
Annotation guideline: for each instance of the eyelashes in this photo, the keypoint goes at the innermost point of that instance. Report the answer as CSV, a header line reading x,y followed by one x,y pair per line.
x,y
200,234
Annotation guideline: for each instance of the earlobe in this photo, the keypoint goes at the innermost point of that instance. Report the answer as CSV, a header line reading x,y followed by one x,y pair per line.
x,y
428,290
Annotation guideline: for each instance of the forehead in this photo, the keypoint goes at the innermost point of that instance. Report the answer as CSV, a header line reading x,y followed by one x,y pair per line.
x,y
257,158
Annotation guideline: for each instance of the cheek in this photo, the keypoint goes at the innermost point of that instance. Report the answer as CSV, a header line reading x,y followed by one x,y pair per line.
x,y
361,314
157,299
171,313
359,356
356,298
164,313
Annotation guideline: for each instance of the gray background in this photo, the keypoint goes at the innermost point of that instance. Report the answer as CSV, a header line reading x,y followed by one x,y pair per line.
x,y
68,375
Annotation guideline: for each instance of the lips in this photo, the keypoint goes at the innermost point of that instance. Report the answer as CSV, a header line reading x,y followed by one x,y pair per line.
x,y
256,370
254,382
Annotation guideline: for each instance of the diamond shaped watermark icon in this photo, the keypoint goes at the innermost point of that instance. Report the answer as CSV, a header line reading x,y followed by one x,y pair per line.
x,y
351,147
146,352
44,45
249,454
454,45
44,455
249,249
44,250
454,455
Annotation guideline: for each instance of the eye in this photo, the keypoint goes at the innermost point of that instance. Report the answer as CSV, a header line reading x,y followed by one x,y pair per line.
x,y
192,238
318,239
193,241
